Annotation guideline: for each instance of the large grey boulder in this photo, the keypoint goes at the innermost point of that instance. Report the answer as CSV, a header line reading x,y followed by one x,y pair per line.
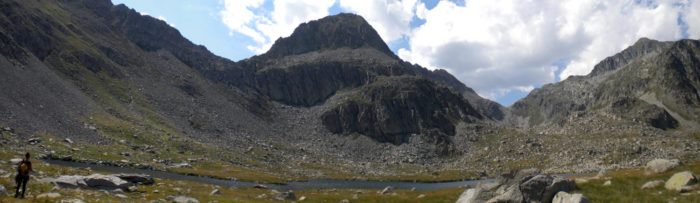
x,y
3,191
680,180
523,186
69,181
100,181
662,165
564,197
533,189
511,194
542,188
469,195
558,184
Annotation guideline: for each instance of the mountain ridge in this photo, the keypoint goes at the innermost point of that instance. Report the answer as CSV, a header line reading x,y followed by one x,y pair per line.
x,y
121,83
624,77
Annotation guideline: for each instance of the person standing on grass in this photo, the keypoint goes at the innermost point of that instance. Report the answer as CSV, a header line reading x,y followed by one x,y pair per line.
x,y
23,169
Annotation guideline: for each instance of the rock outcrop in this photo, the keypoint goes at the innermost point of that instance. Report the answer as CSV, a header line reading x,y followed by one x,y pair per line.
x,y
523,186
392,108
564,197
662,165
470,195
652,184
642,85
99,181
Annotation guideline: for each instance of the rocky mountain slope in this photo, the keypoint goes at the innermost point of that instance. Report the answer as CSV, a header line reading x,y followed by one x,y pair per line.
x,y
331,92
331,101
651,83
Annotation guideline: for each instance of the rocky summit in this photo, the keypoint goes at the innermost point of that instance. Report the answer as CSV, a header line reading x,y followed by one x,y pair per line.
x,y
90,82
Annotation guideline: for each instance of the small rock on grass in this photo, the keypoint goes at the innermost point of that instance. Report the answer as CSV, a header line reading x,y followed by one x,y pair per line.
x,y
260,187
387,190
183,199
652,184
72,201
289,195
607,183
215,192
688,189
345,201
50,195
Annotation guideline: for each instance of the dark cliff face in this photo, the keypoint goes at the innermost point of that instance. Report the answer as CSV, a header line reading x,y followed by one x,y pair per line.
x,y
337,52
639,110
391,109
140,70
343,52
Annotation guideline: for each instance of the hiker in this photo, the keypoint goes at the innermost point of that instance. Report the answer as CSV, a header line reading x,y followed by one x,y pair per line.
x,y
23,169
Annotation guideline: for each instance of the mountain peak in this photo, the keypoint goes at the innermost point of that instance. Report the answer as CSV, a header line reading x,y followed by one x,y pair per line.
x,y
331,32
642,47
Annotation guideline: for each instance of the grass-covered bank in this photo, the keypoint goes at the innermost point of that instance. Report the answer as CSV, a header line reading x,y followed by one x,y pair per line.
x,y
626,186
164,188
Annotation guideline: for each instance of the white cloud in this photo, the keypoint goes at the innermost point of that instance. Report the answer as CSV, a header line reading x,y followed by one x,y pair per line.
x,y
493,46
498,46
692,17
615,25
391,18
247,17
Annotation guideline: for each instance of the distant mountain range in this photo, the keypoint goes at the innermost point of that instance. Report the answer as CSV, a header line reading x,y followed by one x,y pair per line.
x,y
332,88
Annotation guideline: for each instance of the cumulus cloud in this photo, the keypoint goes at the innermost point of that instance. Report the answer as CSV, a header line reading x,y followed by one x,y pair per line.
x,y
496,47
612,26
391,18
692,19
500,46
247,17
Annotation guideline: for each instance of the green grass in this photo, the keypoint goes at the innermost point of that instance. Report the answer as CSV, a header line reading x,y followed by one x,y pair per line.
x,y
626,187
164,188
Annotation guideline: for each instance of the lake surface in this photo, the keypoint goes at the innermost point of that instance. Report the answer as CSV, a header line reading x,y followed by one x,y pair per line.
x,y
311,184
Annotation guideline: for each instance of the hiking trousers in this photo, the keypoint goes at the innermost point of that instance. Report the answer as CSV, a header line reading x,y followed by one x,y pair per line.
x,y
21,181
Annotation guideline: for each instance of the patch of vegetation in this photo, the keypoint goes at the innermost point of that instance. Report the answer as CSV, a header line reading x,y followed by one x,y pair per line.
x,y
164,188
626,187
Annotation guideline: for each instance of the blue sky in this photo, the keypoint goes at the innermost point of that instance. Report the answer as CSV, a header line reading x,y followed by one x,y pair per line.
x,y
501,48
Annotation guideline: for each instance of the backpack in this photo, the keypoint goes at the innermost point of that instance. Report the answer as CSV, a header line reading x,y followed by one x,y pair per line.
x,y
23,168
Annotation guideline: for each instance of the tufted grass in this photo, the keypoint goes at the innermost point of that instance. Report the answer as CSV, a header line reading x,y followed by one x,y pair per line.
x,y
626,187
